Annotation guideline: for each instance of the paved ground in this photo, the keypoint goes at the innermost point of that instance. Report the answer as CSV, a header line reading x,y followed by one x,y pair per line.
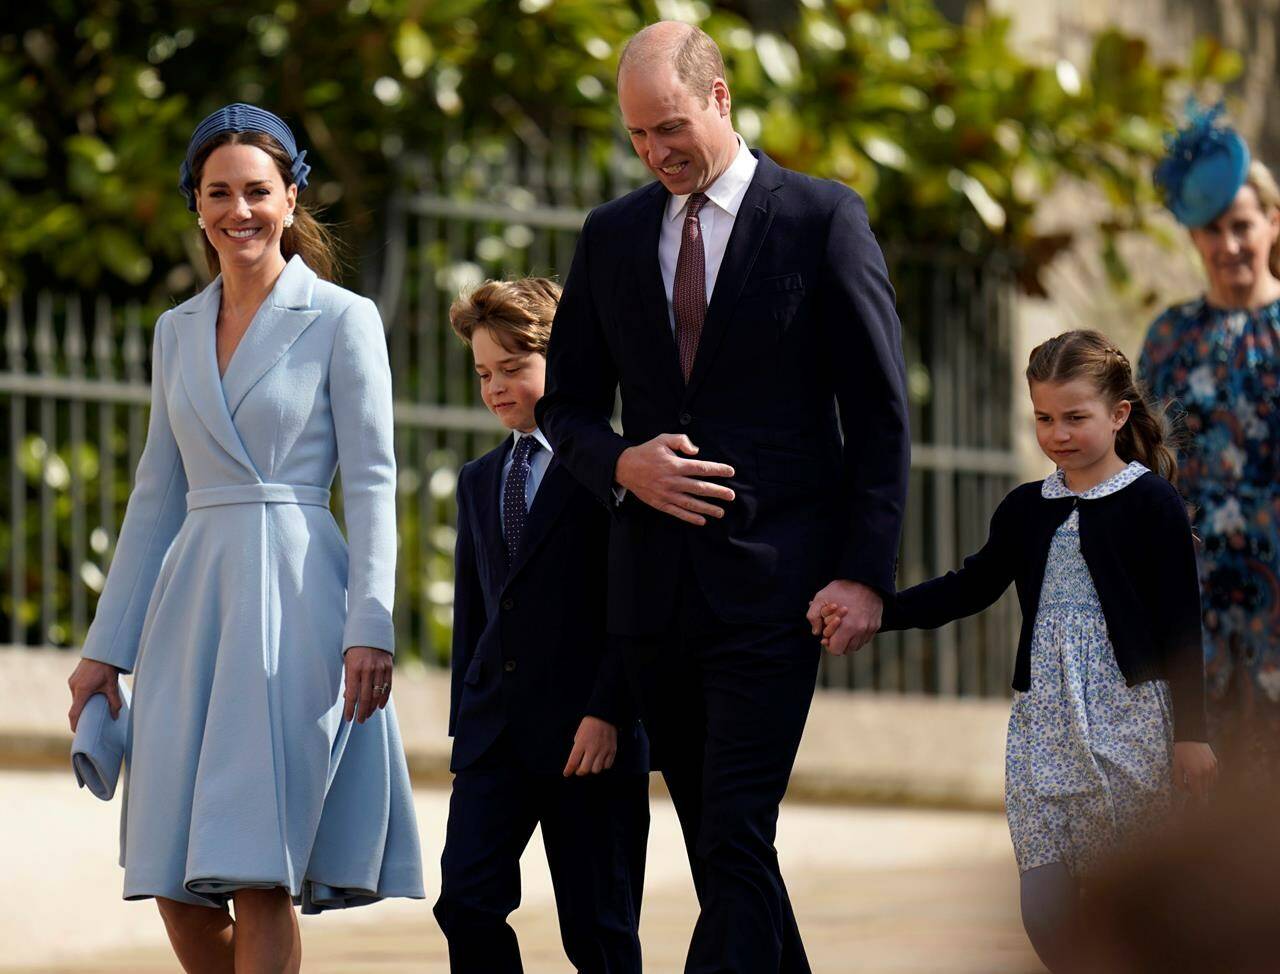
x,y
880,891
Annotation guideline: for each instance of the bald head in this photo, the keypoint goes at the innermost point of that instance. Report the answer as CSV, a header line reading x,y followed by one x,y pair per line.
x,y
675,105
694,55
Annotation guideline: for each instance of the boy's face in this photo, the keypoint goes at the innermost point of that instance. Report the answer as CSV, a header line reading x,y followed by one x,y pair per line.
x,y
510,382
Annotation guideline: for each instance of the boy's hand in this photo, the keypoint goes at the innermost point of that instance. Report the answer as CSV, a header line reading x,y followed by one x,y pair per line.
x,y
1194,767
594,747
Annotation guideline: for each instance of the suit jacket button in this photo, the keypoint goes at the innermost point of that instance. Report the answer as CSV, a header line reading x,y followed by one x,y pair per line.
x,y
509,666
685,419
508,604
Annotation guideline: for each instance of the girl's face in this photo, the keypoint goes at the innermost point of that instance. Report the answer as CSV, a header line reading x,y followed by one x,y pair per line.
x,y
1075,426
244,202
1237,245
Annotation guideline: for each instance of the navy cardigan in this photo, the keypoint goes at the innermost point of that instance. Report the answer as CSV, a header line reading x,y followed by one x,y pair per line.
x,y
1138,545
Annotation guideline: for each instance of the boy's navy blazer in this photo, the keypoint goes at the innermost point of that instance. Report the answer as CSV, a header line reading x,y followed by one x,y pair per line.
x,y
530,650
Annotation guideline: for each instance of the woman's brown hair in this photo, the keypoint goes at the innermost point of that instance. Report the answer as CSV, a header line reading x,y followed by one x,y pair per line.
x,y
1087,354
308,236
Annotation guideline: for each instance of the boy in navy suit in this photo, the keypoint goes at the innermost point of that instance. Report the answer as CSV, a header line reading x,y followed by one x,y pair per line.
x,y
544,731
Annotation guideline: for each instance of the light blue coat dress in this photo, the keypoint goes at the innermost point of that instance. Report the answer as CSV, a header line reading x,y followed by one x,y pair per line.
x,y
233,596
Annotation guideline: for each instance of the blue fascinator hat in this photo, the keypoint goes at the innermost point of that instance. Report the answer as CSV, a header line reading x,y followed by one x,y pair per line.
x,y
1205,164
241,118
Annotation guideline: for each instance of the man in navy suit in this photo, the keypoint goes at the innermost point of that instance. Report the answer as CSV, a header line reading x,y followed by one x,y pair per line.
x,y
746,314
544,730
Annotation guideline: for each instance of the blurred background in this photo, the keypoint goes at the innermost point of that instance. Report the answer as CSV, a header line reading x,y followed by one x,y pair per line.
x,y
1004,150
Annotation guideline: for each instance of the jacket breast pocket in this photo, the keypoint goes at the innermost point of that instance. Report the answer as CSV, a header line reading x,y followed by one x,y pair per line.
x,y
777,297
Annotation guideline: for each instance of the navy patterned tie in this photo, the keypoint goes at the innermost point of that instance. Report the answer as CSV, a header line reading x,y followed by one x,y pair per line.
x,y
514,510
689,291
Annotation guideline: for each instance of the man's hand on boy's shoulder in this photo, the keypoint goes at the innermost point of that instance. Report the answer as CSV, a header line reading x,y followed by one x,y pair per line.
x,y
594,747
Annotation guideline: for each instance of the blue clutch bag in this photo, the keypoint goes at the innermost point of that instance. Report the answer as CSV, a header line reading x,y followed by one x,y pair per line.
x,y
98,751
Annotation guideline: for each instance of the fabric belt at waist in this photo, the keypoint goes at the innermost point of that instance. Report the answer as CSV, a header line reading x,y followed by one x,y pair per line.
x,y
258,494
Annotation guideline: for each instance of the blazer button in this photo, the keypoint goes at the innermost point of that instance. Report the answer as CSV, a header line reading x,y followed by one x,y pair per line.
x,y
509,666
685,419
508,604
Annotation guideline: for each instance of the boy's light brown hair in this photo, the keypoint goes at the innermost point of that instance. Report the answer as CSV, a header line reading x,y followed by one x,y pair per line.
x,y
517,314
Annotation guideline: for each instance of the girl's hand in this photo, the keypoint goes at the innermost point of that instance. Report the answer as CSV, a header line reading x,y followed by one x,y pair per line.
x,y
1194,767
88,678
832,615
368,673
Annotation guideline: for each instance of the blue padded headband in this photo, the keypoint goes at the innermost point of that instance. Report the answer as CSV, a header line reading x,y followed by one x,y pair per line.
x,y
241,118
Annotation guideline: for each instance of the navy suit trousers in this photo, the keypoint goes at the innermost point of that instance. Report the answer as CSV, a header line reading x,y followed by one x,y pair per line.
x,y
594,828
724,706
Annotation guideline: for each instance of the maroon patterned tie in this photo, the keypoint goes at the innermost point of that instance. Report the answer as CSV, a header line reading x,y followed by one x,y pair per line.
x,y
690,291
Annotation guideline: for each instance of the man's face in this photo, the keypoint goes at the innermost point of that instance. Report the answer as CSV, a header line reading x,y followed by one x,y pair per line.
x,y
685,139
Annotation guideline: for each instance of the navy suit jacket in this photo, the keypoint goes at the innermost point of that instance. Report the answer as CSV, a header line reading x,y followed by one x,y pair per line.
x,y
798,383
529,643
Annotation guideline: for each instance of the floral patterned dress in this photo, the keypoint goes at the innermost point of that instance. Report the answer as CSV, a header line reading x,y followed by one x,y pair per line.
x,y
1219,371
1089,759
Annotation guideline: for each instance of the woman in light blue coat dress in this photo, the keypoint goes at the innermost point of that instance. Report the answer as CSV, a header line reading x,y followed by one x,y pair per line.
x,y
266,767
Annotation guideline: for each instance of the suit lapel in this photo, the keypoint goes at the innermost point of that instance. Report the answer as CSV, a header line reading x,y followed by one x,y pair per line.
x,y
198,361
283,317
557,484
489,488
750,227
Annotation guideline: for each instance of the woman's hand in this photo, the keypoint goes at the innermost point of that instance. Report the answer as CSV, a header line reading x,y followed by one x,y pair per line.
x,y
88,678
1194,767
368,672
594,747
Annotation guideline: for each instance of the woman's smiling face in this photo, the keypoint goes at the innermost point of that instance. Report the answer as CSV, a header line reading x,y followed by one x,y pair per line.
x,y
243,200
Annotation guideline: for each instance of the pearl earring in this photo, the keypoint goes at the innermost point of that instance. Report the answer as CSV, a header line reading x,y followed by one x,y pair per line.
x,y
288,220
200,222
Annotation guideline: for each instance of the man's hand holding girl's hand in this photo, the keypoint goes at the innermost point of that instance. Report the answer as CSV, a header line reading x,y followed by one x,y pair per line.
x,y
846,615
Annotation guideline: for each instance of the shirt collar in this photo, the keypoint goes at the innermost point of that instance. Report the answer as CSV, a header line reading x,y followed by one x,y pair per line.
x,y
1055,485
537,435
728,189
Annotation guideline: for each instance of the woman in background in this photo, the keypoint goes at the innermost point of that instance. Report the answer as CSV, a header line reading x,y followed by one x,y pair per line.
x,y
1215,361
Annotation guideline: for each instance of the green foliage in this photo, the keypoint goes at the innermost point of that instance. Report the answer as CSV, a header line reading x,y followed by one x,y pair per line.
x,y
951,134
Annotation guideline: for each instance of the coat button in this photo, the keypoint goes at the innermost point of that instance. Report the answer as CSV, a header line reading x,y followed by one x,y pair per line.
x,y
685,419
509,666
508,604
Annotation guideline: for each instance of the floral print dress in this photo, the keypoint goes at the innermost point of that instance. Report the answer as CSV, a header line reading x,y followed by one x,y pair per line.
x,y
1089,759
1218,370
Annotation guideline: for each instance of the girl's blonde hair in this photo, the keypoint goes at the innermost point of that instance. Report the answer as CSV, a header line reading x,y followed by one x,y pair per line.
x,y
1087,354
1268,192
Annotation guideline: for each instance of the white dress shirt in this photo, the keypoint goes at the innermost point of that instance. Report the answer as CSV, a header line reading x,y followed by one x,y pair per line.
x,y
539,460
716,217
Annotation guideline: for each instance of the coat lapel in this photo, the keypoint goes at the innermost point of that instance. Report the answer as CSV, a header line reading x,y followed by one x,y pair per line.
x,y
653,293
749,229
553,493
489,488
283,317
198,361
